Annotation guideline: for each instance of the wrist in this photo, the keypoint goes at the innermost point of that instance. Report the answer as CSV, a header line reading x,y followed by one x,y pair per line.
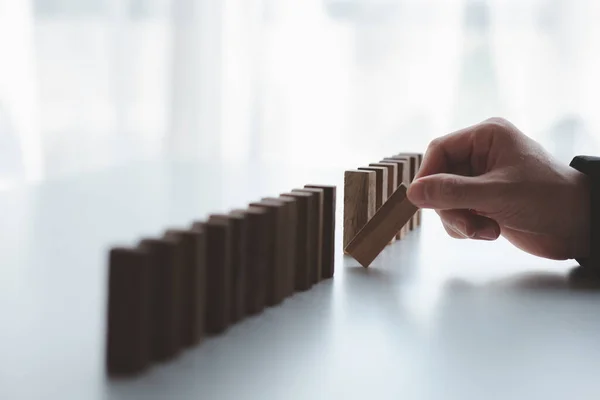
x,y
580,234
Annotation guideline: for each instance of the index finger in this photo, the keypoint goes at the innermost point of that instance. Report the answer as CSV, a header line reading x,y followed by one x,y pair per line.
x,y
447,153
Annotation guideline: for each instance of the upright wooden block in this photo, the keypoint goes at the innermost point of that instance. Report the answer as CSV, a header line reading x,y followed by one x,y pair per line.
x,y
129,306
418,159
381,182
328,235
199,297
392,180
276,249
286,245
218,274
256,255
166,270
315,270
238,239
359,202
375,235
305,207
403,178
291,252
192,285
413,164
419,162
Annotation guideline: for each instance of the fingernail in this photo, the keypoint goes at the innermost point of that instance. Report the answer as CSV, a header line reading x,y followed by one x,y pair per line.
x,y
488,233
461,227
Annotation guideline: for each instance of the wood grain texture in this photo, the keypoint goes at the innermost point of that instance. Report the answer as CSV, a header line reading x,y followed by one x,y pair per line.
x,y
129,307
403,178
256,254
218,275
392,180
192,285
328,233
276,248
375,235
315,267
166,269
238,239
305,207
359,202
381,182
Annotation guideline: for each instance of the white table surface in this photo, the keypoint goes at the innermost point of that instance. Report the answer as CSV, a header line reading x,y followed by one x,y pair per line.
x,y
433,318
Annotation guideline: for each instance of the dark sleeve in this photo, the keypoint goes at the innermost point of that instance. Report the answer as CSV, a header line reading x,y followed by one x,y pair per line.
x,y
591,167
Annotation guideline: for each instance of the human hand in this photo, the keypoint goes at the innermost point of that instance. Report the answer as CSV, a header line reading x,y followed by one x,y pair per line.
x,y
490,179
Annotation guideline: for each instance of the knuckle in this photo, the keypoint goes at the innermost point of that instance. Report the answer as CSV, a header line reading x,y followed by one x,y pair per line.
x,y
435,143
496,121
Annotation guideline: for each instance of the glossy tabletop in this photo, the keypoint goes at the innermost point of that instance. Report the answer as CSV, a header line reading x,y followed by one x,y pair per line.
x,y
432,318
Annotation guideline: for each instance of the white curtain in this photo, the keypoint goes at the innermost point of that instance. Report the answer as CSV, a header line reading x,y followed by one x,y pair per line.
x,y
90,84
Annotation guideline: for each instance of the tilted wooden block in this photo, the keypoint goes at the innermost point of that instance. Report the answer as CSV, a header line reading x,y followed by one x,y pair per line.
x,y
276,248
328,234
218,275
256,254
166,269
129,307
381,182
315,270
359,202
403,164
238,239
375,235
305,207
392,180
192,285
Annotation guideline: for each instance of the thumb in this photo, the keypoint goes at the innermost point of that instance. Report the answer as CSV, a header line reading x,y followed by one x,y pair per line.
x,y
448,191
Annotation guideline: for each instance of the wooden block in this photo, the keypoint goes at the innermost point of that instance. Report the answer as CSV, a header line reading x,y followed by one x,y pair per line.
x,y
328,234
218,274
287,243
359,202
129,306
315,269
255,253
276,248
381,182
239,228
419,162
192,285
392,180
403,178
305,207
413,162
375,235
166,269
291,232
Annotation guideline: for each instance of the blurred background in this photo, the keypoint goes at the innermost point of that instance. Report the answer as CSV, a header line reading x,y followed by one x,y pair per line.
x,y
93,84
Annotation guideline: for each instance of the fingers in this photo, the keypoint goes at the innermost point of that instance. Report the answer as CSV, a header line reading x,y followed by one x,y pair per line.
x,y
446,151
468,147
462,224
451,232
446,191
